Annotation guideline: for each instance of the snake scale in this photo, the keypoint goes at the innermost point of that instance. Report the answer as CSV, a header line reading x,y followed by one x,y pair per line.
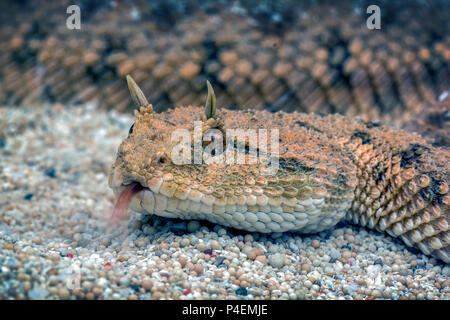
x,y
331,168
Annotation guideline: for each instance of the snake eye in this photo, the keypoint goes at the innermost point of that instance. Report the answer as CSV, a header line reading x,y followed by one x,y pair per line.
x,y
131,129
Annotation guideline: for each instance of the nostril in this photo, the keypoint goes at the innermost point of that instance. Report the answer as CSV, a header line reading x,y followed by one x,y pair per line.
x,y
162,159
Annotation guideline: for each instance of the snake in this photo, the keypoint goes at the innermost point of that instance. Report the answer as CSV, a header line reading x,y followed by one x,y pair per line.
x,y
329,169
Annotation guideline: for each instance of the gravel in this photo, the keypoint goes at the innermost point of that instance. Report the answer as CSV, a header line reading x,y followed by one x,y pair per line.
x,y
277,260
55,244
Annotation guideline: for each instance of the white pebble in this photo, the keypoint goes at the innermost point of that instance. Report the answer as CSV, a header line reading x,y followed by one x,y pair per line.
x,y
277,260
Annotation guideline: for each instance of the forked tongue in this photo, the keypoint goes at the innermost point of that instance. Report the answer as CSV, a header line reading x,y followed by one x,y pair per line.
x,y
123,201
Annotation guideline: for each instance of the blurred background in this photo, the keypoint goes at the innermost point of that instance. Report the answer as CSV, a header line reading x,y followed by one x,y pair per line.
x,y
309,56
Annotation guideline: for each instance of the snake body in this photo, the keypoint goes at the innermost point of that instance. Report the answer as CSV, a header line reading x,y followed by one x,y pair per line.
x,y
331,168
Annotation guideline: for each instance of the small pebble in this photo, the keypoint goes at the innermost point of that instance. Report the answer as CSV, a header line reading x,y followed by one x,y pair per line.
x,y
315,244
276,260
261,259
147,284
198,268
193,226
253,253
215,245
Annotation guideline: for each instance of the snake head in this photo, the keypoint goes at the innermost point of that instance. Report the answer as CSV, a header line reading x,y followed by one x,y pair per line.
x,y
145,164
250,192
146,147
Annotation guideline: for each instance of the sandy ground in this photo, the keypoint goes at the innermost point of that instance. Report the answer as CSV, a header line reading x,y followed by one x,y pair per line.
x,y
54,243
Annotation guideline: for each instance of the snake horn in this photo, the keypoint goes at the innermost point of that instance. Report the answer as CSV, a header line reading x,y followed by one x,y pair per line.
x,y
210,105
137,95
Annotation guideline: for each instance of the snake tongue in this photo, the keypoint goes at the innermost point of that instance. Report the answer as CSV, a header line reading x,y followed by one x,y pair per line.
x,y
123,201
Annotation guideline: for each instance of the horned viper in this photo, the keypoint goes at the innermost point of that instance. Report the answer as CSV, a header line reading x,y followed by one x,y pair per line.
x,y
330,168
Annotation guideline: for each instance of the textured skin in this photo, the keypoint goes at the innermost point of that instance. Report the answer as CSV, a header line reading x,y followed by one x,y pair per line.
x,y
331,168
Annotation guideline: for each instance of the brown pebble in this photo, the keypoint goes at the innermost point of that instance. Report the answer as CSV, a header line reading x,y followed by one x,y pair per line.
x,y
201,247
157,295
215,245
262,259
97,291
90,296
37,240
148,271
8,246
164,246
63,293
376,294
147,284
411,285
182,260
315,244
54,257
190,265
122,258
306,267
239,272
140,243
253,253
198,268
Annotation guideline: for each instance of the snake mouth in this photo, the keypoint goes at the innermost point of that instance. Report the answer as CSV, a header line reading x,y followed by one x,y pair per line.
x,y
126,193
134,195
306,215
139,198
